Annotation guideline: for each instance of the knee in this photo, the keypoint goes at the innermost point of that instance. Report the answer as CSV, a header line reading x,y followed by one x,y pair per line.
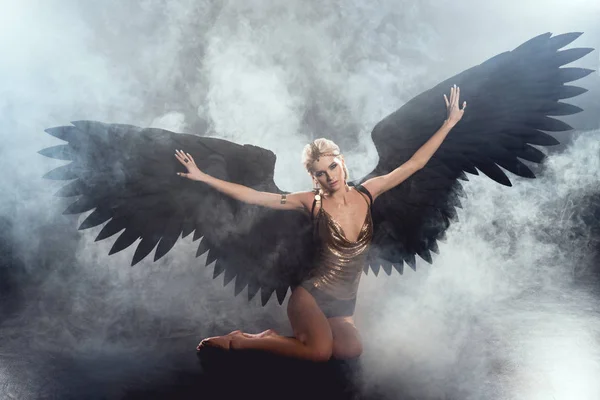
x,y
321,353
343,350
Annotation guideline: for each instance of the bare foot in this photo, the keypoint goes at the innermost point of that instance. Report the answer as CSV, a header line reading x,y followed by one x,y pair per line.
x,y
222,342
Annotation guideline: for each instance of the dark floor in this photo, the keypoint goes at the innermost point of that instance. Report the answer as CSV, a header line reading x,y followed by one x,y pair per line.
x,y
160,374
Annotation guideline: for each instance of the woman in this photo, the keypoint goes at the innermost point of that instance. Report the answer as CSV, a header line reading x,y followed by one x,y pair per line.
x,y
321,308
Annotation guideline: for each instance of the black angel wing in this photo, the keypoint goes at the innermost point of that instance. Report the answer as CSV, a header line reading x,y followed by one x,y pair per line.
x,y
127,175
510,100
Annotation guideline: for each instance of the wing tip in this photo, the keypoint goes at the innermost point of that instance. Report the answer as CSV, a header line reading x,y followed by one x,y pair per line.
x,y
42,151
135,260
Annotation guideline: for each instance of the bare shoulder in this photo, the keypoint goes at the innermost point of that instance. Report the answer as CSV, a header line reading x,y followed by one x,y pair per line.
x,y
309,198
304,198
372,186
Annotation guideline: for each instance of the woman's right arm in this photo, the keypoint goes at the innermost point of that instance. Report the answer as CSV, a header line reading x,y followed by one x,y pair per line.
x,y
293,201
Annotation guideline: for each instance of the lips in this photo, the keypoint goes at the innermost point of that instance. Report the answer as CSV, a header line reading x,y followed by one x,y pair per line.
x,y
333,183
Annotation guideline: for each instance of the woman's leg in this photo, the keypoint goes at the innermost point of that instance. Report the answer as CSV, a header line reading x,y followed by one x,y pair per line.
x,y
313,338
224,341
268,332
346,339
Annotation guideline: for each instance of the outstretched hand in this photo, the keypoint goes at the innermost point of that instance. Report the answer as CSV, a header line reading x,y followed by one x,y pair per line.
x,y
188,161
455,113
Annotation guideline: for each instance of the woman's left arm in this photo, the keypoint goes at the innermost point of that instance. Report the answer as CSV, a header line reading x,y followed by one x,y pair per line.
x,y
381,184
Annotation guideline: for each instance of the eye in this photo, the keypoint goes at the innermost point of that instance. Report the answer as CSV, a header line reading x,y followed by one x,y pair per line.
x,y
318,174
334,166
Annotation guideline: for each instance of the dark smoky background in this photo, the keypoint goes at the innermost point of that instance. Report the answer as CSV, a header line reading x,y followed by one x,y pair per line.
x,y
510,308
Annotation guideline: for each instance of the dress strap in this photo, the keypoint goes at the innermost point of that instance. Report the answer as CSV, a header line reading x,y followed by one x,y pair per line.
x,y
365,191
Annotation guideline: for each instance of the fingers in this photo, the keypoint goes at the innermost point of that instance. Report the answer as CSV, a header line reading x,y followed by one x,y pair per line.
x,y
180,156
192,162
456,94
454,97
453,104
450,101
186,175
184,158
188,161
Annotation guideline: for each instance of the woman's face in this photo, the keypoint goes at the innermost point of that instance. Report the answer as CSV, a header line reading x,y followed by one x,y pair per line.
x,y
329,171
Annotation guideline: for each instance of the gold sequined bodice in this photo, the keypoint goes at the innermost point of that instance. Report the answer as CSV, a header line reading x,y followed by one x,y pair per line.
x,y
339,261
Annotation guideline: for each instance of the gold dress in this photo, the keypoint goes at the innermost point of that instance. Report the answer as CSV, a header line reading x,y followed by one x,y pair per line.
x,y
339,262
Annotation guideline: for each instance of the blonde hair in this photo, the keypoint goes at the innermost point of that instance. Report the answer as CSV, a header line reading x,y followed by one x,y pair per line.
x,y
319,148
